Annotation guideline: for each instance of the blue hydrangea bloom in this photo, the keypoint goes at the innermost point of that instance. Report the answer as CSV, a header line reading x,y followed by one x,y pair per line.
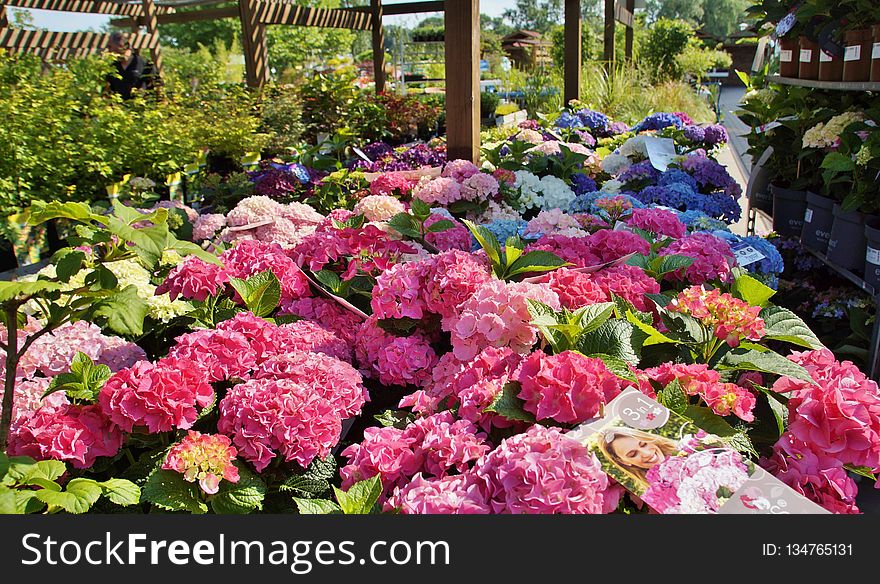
x,y
699,221
583,202
567,120
640,171
581,183
771,264
593,119
676,175
502,229
658,121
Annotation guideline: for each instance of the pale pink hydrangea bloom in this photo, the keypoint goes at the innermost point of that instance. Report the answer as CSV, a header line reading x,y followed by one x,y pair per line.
x,y
206,226
554,222
254,210
459,170
438,191
398,291
379,207
479,187
206,458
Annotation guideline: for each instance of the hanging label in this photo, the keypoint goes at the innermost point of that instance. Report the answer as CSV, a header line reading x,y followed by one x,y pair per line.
x,y
808,216
825,57
774,124
661,152
360,153
174,182
250,159
806,55
875,52
621,226
785,56
853,53
746,254
873,256
784,26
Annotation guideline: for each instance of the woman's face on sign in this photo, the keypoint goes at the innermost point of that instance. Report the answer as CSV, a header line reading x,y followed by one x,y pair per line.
x,y
637,452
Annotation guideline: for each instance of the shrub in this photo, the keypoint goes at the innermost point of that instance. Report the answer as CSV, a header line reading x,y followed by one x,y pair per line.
x,y
667,39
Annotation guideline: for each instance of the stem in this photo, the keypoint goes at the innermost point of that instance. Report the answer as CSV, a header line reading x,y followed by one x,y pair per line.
x,y
12,358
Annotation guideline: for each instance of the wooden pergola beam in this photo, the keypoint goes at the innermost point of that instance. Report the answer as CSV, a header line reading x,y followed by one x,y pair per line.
x,y
404,8
22,40
623,15
630,32
178,17
572,89
608,53
151,18
253,40
88,6
269,12
462,25
378,44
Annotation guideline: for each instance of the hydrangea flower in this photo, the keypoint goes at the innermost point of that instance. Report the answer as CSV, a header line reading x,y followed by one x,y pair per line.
x,y
479,187
438,191
193,279
582,183
457,237
221,355
712,258
378,207
575,289
207,226
451,495
731,319
206,458
698,380
658,121
393,360
554,222
628,282
392,184
659,221
398,291
459,170
451,278
615,164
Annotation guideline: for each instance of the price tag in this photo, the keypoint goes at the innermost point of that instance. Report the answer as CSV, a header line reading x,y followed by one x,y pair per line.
x,y
853,53
808,216
875,52
873,256
746,254
785,56
661,152
806,55
621,226
825,57
774,124
784,26
360,153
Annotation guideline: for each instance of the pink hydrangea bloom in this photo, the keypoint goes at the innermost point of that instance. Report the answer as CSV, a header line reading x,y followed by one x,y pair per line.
x,y
609,245
271,417
497,315
252,257
840,416
698,379
542,472
392,184
576,289
193,279
206,458
379,207
568,387
161,397
305,335
450,444
554,222
479,187
70,433
253,210
334,380
28,398
574,250
398,291
731,319
432,399
452,277
405,361
457,237
207,225
327,313
659,221
630,283
459,170
390,453
452,495
301,214
261,336
813,474
712,258
281,231
504,176
221,355
438,191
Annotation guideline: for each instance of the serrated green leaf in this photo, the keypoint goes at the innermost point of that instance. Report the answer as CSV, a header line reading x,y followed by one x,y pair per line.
x,y
322,468
149,242
780,412
69,264
685,328
661,300
618,367
304,487
487,241
360,498
121,491
781,324
613,338
168,490
23,468
329,279
654,336
125,311
41,211
102,278
711,422
78,497
12,290
260,292
395,418
406,225
7,501
534,261
671,263
316,506
750,290
674,397
591,317
241,497
441,225
544,318
513,250
420,209
188,248
769,362
838,162
509,405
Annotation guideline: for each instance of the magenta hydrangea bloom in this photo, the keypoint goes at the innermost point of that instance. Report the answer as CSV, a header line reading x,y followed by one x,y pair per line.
x,y
630,283
459,170
271,417
576,289
712,258
542,472
393,360
698,379
394,184
327,313
609,245
659,221
452,495
247,258
221,355
305,335
193,279
334,380
398,291
578,251
840,416
457,237
70,433
206,458
451,278
450,444
388,452
568,387
261,335
160,397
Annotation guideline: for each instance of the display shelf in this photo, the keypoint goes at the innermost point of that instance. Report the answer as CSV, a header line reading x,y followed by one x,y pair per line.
x,y
833,85
853,278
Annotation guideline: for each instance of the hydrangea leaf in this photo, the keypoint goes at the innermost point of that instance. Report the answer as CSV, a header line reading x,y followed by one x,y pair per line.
x,y
591,317
488,242
304,487
41,211
618,367
534,261
670,263
121,491
420,209
862,471
395,418
405,224
78,497
508,404
68,263
769,362
781,324
125,311
186,248
613,338
750,290
7,501
316,506
441,225
168,490
12,290
85,380
242,497
361,497
261,292
24,468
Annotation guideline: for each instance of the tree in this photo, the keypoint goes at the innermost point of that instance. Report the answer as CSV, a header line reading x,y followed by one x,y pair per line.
x,y
537,15
722,17
690,10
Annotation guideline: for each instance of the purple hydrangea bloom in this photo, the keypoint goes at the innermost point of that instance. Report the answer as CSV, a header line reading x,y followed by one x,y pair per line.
x,y
616,128
640,171
715,134
658,121
582,183
585,138
593,119
694,133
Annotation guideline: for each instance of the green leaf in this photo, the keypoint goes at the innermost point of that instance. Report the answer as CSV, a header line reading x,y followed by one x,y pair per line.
x,y
863,471
168,489
654,337
4,464
149,242
395,418
69,264
420,209
188,248
671,263
121,491
838,162
618,367
316,506
102,278
329,279
513,249
769,362
685,328
751,290
242,497
613,338
712,423
261,292
360,497
509,405
674,397
78,497
85,380
661,300
23,469
12,290
780,412
545,318
591,317
535,261
781,324
405,224
487,241
41,211
441,225
399,326
7,501
125,311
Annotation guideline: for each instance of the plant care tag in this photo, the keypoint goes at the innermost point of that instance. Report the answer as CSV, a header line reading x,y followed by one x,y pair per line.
x,y
621,226
661,152
175,186
784,26
785,56
808,215
853,53
746,254
825,57
806,55
875,52
774,124
361,154
873,256
676,467
250,159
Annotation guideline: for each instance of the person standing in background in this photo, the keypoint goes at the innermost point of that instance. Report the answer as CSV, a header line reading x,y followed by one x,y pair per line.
x,y
132,70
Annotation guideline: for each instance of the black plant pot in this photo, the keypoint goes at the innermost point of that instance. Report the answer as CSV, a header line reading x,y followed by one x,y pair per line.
x,y
818,219
847,244
788,210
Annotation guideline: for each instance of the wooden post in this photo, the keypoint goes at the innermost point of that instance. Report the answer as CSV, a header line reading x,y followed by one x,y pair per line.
x,y
462,25
4,21
151,20
631,6
378,45
572,50
609,32
253,42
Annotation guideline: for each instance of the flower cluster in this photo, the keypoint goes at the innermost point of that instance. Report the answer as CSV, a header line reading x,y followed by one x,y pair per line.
x,y
827,135
731,319
712,258
206,458
698,380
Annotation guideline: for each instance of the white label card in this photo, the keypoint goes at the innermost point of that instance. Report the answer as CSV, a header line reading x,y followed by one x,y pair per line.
x,y
808,216
875,52
853,53
873,256
825,57
360,153
785,56
661,152
806,55
746,254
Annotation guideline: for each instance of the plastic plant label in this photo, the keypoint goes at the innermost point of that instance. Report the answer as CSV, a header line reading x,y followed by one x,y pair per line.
x,y
621,226
808,216
785,56
825,57
661,152
746,254
853,53
873,256
360,153
875,52
676,467
806,55
784,26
